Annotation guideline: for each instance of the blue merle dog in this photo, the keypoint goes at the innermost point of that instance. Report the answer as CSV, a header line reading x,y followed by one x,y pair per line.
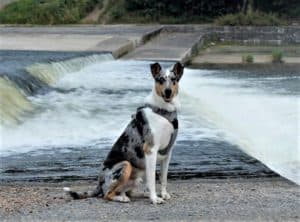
x,y
148,139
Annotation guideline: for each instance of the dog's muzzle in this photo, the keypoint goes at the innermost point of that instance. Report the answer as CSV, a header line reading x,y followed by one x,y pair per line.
x,y
167,95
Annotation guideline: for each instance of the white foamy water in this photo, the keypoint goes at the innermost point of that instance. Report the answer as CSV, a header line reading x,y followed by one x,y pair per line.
x,y
266,126
96,105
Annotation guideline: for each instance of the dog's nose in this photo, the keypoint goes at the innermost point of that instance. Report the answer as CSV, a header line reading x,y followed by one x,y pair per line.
x,y
168,93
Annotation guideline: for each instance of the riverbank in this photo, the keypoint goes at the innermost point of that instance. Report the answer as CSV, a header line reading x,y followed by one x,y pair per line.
x,y
259,199
231,55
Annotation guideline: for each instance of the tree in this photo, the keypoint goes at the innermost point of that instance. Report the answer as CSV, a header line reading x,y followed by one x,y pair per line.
x,y
248,6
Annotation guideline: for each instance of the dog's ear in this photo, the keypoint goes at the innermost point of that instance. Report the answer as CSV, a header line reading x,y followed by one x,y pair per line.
x,y
178,70
155,69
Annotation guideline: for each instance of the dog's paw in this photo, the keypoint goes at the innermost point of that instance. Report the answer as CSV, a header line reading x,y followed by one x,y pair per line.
x,y
157,200
123,199
165,195
138,181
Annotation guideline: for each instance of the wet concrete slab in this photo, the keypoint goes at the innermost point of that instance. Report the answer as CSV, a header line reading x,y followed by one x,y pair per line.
x,y
168,46
116,39
51,42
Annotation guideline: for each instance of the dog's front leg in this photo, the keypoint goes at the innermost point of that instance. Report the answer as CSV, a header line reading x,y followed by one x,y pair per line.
x,y
164,167
150,159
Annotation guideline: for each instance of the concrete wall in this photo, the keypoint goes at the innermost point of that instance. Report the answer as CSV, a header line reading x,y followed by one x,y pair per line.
x,y
272,35
258,35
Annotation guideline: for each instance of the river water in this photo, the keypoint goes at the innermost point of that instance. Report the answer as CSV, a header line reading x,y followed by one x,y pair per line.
x,y
61,112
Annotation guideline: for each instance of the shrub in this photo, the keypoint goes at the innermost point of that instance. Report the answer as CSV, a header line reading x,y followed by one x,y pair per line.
x,y
116,14
46,11
255,19
247,58
277,56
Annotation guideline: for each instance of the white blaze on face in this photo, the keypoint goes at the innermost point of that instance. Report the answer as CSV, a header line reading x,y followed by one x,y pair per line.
x,y
168,82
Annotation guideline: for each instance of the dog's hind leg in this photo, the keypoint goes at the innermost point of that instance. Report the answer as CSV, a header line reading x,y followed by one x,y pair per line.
x,y
135,192
121,173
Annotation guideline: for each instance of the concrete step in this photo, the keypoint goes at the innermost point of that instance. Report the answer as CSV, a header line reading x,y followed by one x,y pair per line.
x,y
291,50
236,58
168,46
115,39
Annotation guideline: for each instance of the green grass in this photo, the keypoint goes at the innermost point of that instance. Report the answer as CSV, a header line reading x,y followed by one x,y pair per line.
x,y
277,56
247,58
46,12
253,19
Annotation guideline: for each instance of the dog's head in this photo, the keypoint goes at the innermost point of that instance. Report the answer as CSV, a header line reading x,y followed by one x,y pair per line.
x,y
166,84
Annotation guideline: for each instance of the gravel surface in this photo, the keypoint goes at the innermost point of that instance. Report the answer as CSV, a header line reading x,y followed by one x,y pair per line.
x,y
273,199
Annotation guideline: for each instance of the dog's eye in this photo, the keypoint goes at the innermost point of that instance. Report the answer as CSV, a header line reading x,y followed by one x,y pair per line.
x,y
173,80
160,80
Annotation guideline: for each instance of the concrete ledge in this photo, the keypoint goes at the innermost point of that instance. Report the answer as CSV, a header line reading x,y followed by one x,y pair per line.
x,y
116,39
193,51
269,66
150,35
117,46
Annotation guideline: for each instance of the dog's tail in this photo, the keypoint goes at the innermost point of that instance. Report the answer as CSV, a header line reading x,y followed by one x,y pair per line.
x,y
76,195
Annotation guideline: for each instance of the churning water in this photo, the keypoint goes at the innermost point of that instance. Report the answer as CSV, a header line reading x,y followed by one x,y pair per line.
x,y
258,113
60,114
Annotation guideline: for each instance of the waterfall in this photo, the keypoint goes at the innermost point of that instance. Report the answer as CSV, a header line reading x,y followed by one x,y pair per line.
x,y
50,72
265,126
15,101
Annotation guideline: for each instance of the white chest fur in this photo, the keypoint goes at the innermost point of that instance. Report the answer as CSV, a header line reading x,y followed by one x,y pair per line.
x,y
160,127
